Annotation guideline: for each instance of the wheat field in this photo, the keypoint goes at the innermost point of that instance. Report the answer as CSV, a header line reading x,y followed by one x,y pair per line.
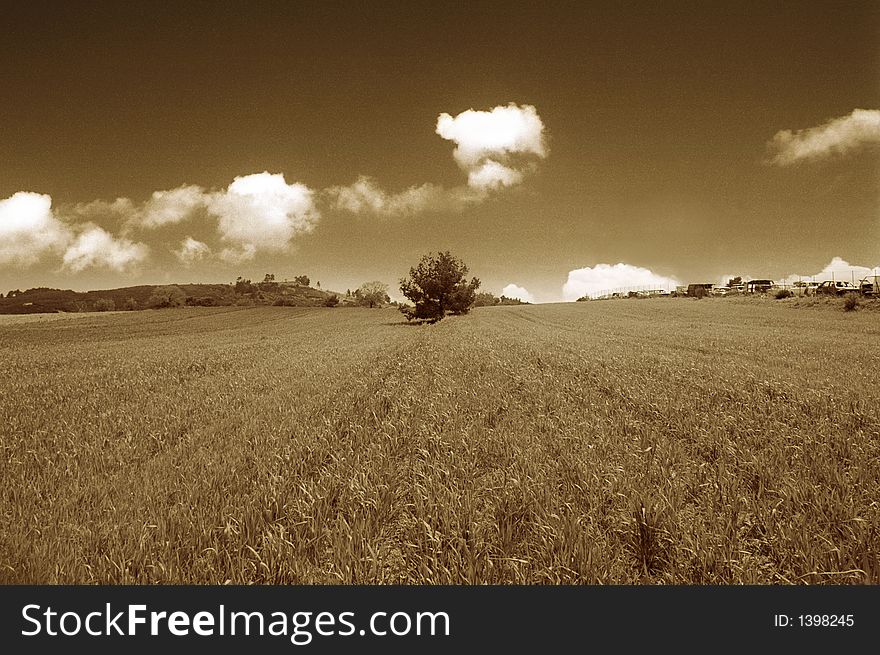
x,y
662,441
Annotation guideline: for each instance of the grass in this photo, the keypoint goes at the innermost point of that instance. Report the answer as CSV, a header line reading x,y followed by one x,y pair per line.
x,y
666,441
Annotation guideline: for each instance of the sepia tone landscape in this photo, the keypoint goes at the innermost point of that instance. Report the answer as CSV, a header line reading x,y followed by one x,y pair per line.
x,y
483,293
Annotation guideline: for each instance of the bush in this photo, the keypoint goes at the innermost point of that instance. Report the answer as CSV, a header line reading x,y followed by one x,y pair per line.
x,y
129,305
783,293
331,301
850,302
105,305
243,287
202,301
485,299
167,296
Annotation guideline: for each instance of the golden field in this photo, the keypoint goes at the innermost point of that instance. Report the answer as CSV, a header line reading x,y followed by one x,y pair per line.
x,y
641,441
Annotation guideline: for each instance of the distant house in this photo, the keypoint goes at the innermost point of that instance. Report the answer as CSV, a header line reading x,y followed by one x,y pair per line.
x,y
759,286
699,290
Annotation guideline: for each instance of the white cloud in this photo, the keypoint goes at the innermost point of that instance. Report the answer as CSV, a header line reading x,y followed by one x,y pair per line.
x,y
95,247
494,134
365,196
492,175
263,212
837,136
119,210
605,278
494,147
192,251
29,229
514,291
238,255
837,269
169,207
162,208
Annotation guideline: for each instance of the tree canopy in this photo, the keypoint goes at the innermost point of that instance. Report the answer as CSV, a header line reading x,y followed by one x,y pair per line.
x,y
438,286
373,293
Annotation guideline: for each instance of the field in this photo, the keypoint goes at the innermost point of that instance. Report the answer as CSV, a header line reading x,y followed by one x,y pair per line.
x,y
644,441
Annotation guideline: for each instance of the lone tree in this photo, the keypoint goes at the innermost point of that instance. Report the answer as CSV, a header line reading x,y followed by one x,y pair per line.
x,y
437,286
373,293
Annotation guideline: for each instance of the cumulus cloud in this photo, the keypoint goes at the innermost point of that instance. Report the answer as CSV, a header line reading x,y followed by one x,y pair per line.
x,y
170,207
495,148
836,137
514,291
243,253
29,229
263,212
161,209
491,146
95,247
121,210
365,196
191,251
837,269
605,278
492,175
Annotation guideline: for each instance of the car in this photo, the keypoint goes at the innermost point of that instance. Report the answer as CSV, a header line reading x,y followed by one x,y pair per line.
x,y
870,286
835,288
720,291
810,288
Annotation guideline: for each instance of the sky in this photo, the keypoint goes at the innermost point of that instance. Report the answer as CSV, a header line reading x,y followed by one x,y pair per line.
x,y
557,150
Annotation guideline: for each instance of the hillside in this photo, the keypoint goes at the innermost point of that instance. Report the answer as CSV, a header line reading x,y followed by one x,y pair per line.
x,y
46,300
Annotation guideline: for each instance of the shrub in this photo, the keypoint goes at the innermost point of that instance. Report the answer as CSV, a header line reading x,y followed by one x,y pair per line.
x,y
129,305
783,293
244,287
167,296
105,305
485,299
202,301
850,302
331,301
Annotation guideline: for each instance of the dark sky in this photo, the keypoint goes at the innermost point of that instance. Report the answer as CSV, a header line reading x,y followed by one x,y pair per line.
x,y
657,120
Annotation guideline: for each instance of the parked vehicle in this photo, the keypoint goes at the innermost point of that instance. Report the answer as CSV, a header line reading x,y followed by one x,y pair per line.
x,y
720,291
835,288
870,286
810,288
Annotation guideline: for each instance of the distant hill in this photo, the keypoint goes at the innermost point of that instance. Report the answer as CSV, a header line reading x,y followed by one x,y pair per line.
x,y
43,299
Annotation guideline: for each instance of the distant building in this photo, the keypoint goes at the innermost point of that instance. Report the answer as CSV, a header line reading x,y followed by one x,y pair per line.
x,y
759,286
697,290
